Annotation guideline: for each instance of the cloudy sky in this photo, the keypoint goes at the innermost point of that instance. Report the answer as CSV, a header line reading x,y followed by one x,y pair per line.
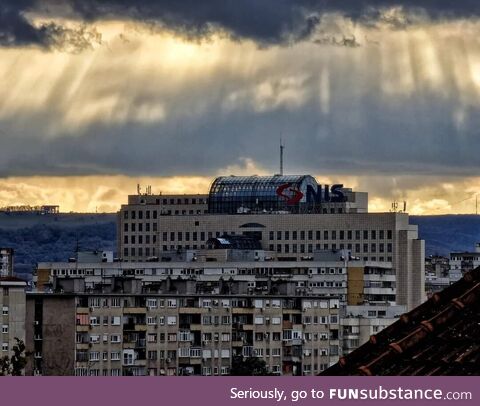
x,y
99,95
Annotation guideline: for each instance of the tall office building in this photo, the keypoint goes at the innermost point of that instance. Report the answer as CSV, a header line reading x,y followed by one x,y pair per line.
x,y
293,216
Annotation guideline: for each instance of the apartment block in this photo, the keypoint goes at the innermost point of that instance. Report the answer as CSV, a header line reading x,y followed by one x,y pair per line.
x,y
241,294
151,334
6,262
463,262
12,316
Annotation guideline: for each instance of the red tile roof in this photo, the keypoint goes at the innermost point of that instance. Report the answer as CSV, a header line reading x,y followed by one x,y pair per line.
x,y
439,337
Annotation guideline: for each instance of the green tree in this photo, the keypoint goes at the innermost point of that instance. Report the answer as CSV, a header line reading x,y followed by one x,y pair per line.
x,y
14,365
248,366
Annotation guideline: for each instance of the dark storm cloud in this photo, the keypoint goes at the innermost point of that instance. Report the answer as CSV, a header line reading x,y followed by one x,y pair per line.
x,y
388,144
265,21
16,30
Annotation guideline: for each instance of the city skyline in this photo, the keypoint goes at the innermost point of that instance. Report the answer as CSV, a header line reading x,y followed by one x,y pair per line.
x,y
380,96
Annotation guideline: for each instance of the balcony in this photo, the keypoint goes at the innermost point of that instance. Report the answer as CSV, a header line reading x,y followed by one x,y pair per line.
x,y
287,325
134,310
190,310
134,327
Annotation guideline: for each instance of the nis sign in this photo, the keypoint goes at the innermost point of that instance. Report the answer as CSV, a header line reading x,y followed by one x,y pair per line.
x,y
293,195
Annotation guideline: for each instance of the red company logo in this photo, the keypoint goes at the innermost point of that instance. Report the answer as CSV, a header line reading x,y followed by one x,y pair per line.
x,y
293,197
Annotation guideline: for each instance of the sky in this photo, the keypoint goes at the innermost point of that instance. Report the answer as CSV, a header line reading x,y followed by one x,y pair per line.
x,y
99,96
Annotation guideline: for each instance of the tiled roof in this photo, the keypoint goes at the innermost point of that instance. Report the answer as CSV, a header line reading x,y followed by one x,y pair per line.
x,y
439,337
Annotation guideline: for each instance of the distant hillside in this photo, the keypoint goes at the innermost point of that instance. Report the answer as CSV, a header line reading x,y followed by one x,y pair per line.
x,y
449,233
37,238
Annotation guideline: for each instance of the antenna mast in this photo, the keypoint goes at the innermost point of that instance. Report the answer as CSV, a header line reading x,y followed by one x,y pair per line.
x,y
281,156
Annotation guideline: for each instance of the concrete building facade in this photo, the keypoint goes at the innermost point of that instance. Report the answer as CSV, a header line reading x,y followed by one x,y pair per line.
x,y
250,297
6,262
12,316
148,229
157,334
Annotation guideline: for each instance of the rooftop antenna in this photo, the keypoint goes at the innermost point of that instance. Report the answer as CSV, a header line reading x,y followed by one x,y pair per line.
x,y
281,156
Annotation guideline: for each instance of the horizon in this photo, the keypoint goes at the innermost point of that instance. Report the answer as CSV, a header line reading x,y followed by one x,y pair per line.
x,y
180,186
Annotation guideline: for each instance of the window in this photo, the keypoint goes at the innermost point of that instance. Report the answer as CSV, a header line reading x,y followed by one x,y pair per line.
x,y
115,356
116,320
172,302
225,353
171,320
152,355
224,370
225,319
225,337
94,356
151,320
5,329
184,336
276,320
152,303
128,357
151,338
115,338
94,338
115,302
94,302
94,321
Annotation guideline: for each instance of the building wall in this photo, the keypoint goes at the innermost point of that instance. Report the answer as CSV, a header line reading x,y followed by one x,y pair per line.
x,y
355,285
183,335
370,236
51,334
6,262
12,315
